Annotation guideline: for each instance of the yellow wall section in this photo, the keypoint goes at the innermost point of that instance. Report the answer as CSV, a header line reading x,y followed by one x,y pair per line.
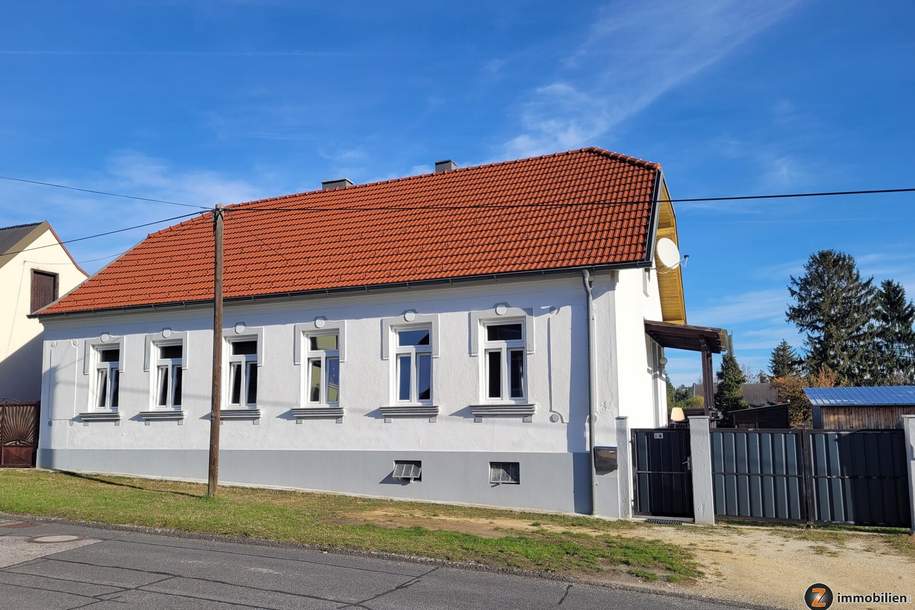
x,y
670,281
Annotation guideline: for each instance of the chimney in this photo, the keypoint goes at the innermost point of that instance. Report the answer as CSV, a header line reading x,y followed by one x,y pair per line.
x,y
333,185
443,167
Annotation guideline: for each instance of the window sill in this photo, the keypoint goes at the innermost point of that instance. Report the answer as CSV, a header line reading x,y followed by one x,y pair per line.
x,y
162,415
317,412
235,413
389,411
509,409
89,416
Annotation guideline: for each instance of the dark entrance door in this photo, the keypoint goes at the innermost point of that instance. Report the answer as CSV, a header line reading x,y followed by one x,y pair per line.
x,y
18,435
663,478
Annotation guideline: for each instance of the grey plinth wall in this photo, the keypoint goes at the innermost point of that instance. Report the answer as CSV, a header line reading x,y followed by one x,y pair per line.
x,y
908,425
700,442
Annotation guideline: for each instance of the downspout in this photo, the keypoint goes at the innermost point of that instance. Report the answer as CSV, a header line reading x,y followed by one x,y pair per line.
x,y
592,380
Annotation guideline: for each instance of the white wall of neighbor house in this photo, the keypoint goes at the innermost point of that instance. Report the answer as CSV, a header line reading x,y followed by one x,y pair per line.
x,y
20,336
556,374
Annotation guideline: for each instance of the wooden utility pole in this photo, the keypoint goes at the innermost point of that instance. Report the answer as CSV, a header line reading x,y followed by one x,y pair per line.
x,y
216,393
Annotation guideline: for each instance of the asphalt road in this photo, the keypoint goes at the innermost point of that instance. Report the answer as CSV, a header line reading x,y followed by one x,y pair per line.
x,y
81,567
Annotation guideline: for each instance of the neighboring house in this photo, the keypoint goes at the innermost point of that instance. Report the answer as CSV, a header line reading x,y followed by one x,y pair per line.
x,y
448,349
860,408
35,268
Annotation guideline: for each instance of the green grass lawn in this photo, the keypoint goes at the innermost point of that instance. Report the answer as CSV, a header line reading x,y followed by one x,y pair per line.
x,y
546,543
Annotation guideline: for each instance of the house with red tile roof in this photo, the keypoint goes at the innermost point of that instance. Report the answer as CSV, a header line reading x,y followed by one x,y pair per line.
x,y
468,335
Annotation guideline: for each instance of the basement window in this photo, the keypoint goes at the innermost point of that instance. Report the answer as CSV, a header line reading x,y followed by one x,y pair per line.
x,y
504,473
406,470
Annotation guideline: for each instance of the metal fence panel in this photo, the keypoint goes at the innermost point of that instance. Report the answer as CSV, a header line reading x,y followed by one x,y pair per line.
x,y
757,474
859,477
855,477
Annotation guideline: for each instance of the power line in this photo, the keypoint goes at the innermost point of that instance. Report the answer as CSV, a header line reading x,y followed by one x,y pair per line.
x,y
105,193
249,208
794,195
112,232
88,260
500,206
579,204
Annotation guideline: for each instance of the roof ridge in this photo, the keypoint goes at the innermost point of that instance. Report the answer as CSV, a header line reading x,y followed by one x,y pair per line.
x,y
22,226
595,150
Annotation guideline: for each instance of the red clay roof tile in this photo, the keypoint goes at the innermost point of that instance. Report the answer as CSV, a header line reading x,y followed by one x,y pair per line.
x,y
348,242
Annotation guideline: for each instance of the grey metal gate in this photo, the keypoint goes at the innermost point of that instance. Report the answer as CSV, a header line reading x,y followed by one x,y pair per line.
x,y
662,476
853,477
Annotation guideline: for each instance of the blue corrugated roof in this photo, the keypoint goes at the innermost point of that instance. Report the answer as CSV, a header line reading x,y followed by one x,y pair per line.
x,y
862,396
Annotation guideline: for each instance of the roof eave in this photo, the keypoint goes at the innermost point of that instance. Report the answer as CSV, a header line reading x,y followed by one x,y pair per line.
x,y
343,290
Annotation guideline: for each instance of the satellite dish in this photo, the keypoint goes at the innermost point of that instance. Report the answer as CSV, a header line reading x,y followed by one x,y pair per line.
x,y
667,253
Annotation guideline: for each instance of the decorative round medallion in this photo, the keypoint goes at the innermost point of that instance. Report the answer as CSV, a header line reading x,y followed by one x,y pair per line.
x,y
409,315
240,328
105,337
166,333
501,308
320,322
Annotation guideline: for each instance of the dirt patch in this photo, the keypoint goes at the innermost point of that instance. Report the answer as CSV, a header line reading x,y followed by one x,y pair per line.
x,y
495,527
766,566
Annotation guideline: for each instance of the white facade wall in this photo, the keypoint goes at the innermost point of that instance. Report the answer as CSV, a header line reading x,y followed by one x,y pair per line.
x,y
20,336
276,450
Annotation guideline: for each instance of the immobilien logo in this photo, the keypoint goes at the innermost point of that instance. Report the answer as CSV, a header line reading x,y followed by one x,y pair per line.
x,y
820,597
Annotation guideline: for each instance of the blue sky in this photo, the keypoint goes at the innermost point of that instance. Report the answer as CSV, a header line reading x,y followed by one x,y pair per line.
x,y
212,101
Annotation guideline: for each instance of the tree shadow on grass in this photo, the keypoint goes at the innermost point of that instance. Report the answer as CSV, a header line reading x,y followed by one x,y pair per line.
x,y
87,477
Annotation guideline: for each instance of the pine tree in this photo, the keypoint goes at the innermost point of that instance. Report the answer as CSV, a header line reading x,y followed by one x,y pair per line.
x,y
894,335
784,360
833,307
729,395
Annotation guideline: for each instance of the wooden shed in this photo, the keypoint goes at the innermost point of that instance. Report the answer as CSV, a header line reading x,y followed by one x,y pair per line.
x,y
860,408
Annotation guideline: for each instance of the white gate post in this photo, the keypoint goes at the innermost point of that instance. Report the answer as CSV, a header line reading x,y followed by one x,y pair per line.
x,y
624,467
700,446
908,426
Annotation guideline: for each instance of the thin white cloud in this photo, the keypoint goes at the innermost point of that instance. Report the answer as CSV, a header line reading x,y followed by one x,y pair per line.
x,y
74,214
767,337
131,170
632,55
743,307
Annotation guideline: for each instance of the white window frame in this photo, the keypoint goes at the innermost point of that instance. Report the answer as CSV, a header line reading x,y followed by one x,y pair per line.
x,y
109,368
504,348
412,352
242,360
308,356
170,365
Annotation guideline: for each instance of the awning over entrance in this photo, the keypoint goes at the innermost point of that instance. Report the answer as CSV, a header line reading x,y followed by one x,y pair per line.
x,y
702,339
685,336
